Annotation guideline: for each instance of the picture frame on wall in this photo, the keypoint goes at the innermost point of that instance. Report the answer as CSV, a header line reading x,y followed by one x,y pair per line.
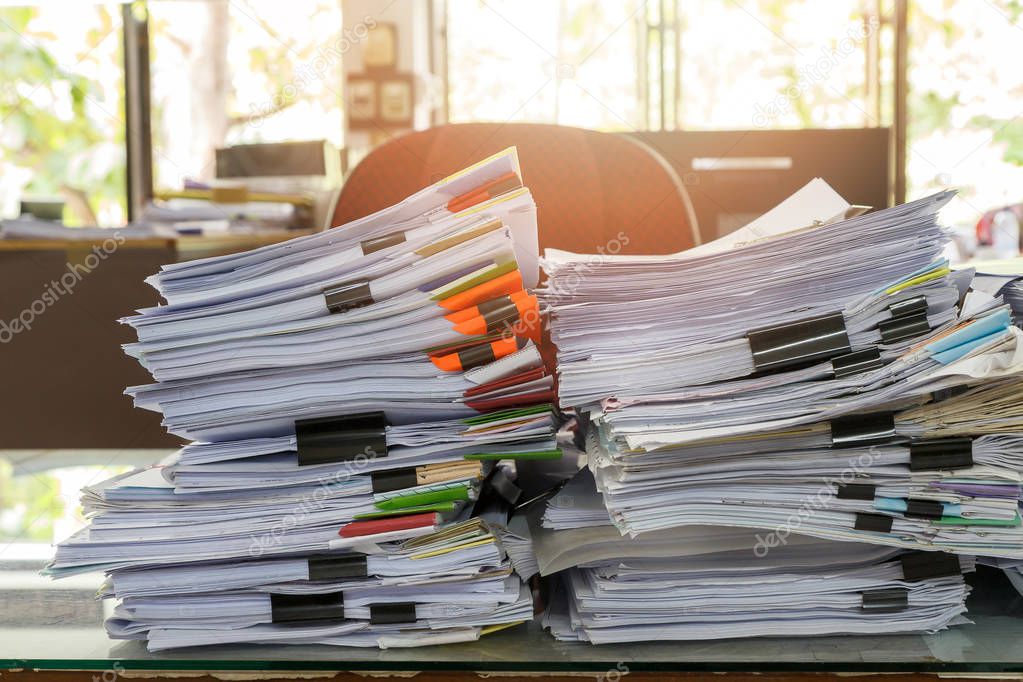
x,y
362,99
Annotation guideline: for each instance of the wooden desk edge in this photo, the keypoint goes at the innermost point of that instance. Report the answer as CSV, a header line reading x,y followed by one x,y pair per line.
x,y
182,243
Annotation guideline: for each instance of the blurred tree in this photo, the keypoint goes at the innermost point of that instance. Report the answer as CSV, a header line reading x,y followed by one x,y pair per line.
x,y
29,506
240,72
52,125
964,108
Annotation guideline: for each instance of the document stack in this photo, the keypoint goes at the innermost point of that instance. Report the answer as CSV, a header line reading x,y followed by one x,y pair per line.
x,y
821,372
1003,278
349,395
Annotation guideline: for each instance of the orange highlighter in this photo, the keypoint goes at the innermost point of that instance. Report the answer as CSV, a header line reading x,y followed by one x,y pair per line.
x,y
485,192
474,356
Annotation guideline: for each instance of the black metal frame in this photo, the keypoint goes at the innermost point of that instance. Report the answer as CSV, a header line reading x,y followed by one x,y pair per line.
x,y
138,134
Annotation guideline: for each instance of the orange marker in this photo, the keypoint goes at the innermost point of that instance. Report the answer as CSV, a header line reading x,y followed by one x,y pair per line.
x,y
501,319
485,307
484,192
529,324
474,356
507,283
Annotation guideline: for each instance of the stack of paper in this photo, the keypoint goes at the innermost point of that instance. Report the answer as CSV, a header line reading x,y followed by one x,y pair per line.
x,y
195,212
30,227
576,505
706,582
350,394
814,374
802,590
1005,278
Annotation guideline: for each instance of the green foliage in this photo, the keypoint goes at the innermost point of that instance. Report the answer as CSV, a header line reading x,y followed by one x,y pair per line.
x,y
930,112
29,506
1009,133
52,122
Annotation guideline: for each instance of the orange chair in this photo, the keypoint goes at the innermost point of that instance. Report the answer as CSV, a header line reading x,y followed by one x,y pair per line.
x,y
591,188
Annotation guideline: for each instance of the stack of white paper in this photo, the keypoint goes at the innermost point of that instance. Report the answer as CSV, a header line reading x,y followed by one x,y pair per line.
x,y
449,585
1005,278
706,582
825,377
349,394
826,588
576,505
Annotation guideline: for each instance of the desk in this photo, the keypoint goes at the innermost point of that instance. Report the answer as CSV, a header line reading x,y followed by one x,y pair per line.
x,y
64,378
187,247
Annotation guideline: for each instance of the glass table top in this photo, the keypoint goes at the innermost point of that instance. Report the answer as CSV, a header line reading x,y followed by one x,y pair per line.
x,y
58,625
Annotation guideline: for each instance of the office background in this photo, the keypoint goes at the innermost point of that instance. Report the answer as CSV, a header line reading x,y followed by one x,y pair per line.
x,y
104,101
107,109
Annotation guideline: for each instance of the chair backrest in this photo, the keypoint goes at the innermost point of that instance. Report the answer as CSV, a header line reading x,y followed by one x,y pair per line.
x,y
594,191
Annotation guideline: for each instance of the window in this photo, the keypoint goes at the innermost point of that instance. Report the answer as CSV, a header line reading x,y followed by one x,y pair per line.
x,y
39,495
799,64
965,129
240,72
572,62
62,124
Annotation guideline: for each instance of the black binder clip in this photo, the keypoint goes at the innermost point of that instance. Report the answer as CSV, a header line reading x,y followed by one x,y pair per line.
x,y
856,363
939,454
908,307
290,608
338,567
380,243
394,479
875,523
921,565
499,313
390,614
326,440
902,328
344,297
476,356
862,429
924,509
488,308
798,343
909,319
885,600
856,491
946,393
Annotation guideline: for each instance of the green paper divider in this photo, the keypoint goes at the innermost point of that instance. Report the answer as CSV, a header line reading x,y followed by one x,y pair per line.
x,y
490,273
959,521
438,507
454,493
508,414
535,454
